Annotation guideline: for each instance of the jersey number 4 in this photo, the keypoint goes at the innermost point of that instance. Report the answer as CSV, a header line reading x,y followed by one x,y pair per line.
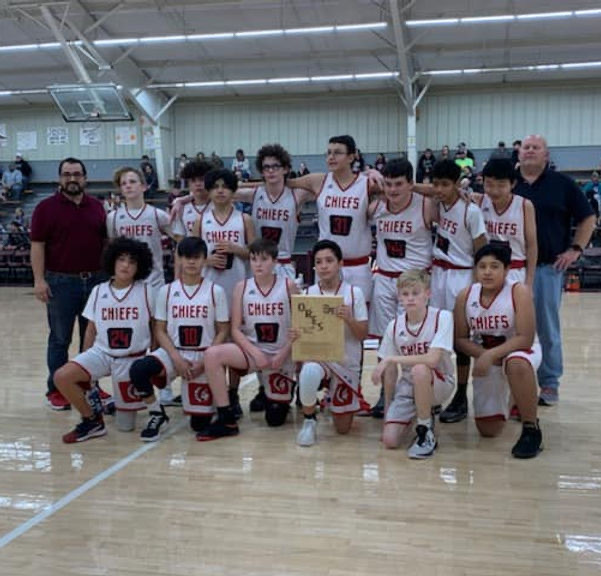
x,y
119,338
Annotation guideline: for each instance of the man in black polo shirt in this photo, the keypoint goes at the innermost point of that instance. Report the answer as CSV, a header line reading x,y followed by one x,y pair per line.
x,y
558,201
68,233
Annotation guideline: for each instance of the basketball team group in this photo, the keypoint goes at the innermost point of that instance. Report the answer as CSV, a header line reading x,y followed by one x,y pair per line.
x,y
457,292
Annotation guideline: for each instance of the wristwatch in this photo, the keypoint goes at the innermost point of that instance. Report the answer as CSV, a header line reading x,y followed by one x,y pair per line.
x,y
577,248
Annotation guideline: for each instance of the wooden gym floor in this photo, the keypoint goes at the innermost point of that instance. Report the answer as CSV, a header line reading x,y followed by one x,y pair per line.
x,y
259,505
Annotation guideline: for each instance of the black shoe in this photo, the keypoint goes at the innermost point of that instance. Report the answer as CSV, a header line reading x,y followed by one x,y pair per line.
x,y
235,404
157,421
456,411
218,429
257,404
377,410
530,443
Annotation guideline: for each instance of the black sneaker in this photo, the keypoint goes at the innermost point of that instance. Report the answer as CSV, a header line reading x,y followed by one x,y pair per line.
x,y
235,403
217,429
456,411
377,410
530,443
257,404
157,421
86,429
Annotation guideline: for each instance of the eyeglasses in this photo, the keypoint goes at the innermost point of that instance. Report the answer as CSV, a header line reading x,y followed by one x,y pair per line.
x,y
335,153
271,167
69,175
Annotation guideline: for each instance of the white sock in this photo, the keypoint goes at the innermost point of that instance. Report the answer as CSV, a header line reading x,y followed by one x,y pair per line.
x,y
308,383
155,406
427,422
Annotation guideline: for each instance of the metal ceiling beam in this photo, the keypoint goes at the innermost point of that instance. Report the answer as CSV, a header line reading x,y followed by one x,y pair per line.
x,y
402,53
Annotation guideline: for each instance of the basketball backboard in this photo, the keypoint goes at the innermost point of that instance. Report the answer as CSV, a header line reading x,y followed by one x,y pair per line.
x,y
90,102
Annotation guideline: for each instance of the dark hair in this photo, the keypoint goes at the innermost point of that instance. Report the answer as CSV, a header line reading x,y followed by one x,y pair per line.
x,y
347,140
138,251
497,250
398,167
263,246
446,170
276,151
327,245
501,144
72,160
499,169
228,177
196,169
517,142
192,247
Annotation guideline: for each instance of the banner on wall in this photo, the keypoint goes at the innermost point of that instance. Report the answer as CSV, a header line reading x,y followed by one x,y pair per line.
x,y
126,136
27,140
90,135
3,136
57,136
150,140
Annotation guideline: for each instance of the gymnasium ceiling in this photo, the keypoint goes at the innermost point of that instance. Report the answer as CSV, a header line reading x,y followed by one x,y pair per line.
x,y
511,47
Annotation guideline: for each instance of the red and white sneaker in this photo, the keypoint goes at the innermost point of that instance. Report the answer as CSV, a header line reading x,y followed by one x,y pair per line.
x,y
57,401
514,414
86,429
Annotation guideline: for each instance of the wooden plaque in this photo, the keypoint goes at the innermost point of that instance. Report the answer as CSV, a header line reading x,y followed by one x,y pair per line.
x,y
322,332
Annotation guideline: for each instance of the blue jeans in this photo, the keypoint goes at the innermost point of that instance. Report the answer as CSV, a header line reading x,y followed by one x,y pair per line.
x,y
548,288
69,296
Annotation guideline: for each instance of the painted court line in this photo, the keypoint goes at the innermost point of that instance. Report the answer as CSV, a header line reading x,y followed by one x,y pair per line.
x,y
86,487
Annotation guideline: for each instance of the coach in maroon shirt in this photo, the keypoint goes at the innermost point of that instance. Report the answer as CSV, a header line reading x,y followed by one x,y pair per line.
x,y
68,233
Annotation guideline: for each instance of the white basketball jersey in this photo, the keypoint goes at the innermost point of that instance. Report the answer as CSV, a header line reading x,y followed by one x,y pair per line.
x,y
491,325
191,213
343,216
266,316
230,230
122,324
454,241
404,239
147,226
277,219
506,227
417,341
353,348
191,316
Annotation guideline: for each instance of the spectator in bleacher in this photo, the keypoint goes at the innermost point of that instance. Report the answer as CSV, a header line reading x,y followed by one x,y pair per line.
x,y
25,168
515,153
380,162
200,157
68,233
358,164
462,159
424,166
144,161
594,202
12,183
478,183
19,216
240,165
151,179
216,161
468,153
183,160
303,170
592,185
17,238
445,153
500,151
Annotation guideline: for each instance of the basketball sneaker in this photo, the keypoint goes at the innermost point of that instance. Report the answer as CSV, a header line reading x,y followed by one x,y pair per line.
x,y
530,443
108,402
456,411
377,410
157,421
57,401
168,399
86,429
218,429
235,403
424,444
514,413
308,433
257,404
548,396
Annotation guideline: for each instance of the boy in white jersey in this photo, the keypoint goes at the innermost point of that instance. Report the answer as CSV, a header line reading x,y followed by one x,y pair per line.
x,y
191,314
227,233
509,219
136,219
194,173
343,210
344,377
260,332
460,233
420,341
118,331
494,323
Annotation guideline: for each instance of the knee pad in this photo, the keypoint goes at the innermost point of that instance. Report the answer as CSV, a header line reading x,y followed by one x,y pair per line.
x,y
462,359
199,422
310,378
141,374
125,420
276,412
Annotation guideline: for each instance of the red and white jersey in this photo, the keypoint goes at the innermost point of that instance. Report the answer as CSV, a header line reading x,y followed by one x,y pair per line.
x,y
353,297
458,226
212,231
266,316
148,225
184,225
436,331
404,238
491,325
342,215
277,219
122,318
507,226
190,315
